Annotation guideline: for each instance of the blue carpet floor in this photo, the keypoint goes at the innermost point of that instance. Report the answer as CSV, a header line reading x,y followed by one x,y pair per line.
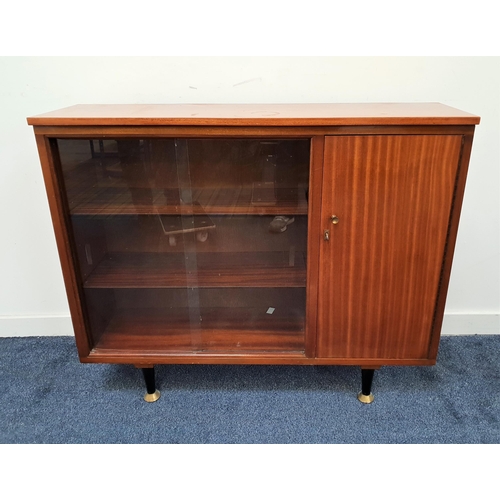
x,y
47,396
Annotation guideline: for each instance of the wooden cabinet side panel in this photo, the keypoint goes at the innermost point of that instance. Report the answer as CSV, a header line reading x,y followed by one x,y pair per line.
x,y
450,243
60,223
380,271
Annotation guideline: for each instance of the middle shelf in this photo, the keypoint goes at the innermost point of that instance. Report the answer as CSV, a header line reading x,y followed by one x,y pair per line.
x,y
172,252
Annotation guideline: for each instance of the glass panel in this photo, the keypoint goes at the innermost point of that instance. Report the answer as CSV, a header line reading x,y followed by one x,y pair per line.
x,y
191,245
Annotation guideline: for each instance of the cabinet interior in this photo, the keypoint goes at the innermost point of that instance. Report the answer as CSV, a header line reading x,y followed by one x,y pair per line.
x,y
190,245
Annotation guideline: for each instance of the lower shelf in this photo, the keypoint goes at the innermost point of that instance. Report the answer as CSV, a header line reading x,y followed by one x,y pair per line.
x,y
209,330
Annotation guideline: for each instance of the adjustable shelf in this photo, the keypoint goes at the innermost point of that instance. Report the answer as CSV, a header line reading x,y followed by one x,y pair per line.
x,y
146,201
202,270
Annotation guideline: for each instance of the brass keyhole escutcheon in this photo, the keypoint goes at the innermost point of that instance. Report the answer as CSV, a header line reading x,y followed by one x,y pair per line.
x,y
334,219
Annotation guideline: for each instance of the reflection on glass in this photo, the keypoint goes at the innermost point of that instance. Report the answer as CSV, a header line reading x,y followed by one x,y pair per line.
x,y
194,245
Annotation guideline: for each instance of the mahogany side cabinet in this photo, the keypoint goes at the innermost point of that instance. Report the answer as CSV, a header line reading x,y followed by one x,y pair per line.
x,y
311,234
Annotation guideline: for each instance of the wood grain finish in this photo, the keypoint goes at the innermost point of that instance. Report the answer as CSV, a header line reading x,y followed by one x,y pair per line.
x,y
257,114
375,294
51,168
225,330
382,265
313,241
450,244
206,270
243,132
137,201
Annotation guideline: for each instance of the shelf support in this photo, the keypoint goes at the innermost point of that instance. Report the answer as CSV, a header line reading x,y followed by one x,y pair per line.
x,y
366,396
152,393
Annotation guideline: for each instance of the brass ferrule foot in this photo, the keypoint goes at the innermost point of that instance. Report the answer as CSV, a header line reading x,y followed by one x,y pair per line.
x,y
367,399
151,398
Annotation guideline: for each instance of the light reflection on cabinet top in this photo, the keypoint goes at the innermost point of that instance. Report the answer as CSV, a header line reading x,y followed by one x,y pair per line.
x,y
340,114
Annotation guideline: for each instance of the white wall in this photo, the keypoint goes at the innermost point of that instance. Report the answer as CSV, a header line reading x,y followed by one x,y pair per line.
x,y
32,297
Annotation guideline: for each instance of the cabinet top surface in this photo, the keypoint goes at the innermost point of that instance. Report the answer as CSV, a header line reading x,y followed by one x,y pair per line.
x,y
256,114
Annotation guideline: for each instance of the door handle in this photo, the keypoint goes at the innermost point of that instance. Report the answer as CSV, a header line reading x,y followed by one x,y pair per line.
x,y
326,233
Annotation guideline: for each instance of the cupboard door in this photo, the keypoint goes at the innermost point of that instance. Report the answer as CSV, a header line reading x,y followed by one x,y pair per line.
x,y
380,269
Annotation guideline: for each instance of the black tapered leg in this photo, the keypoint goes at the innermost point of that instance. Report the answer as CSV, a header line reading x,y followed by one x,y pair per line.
x,y
366,381
366,396
152,394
